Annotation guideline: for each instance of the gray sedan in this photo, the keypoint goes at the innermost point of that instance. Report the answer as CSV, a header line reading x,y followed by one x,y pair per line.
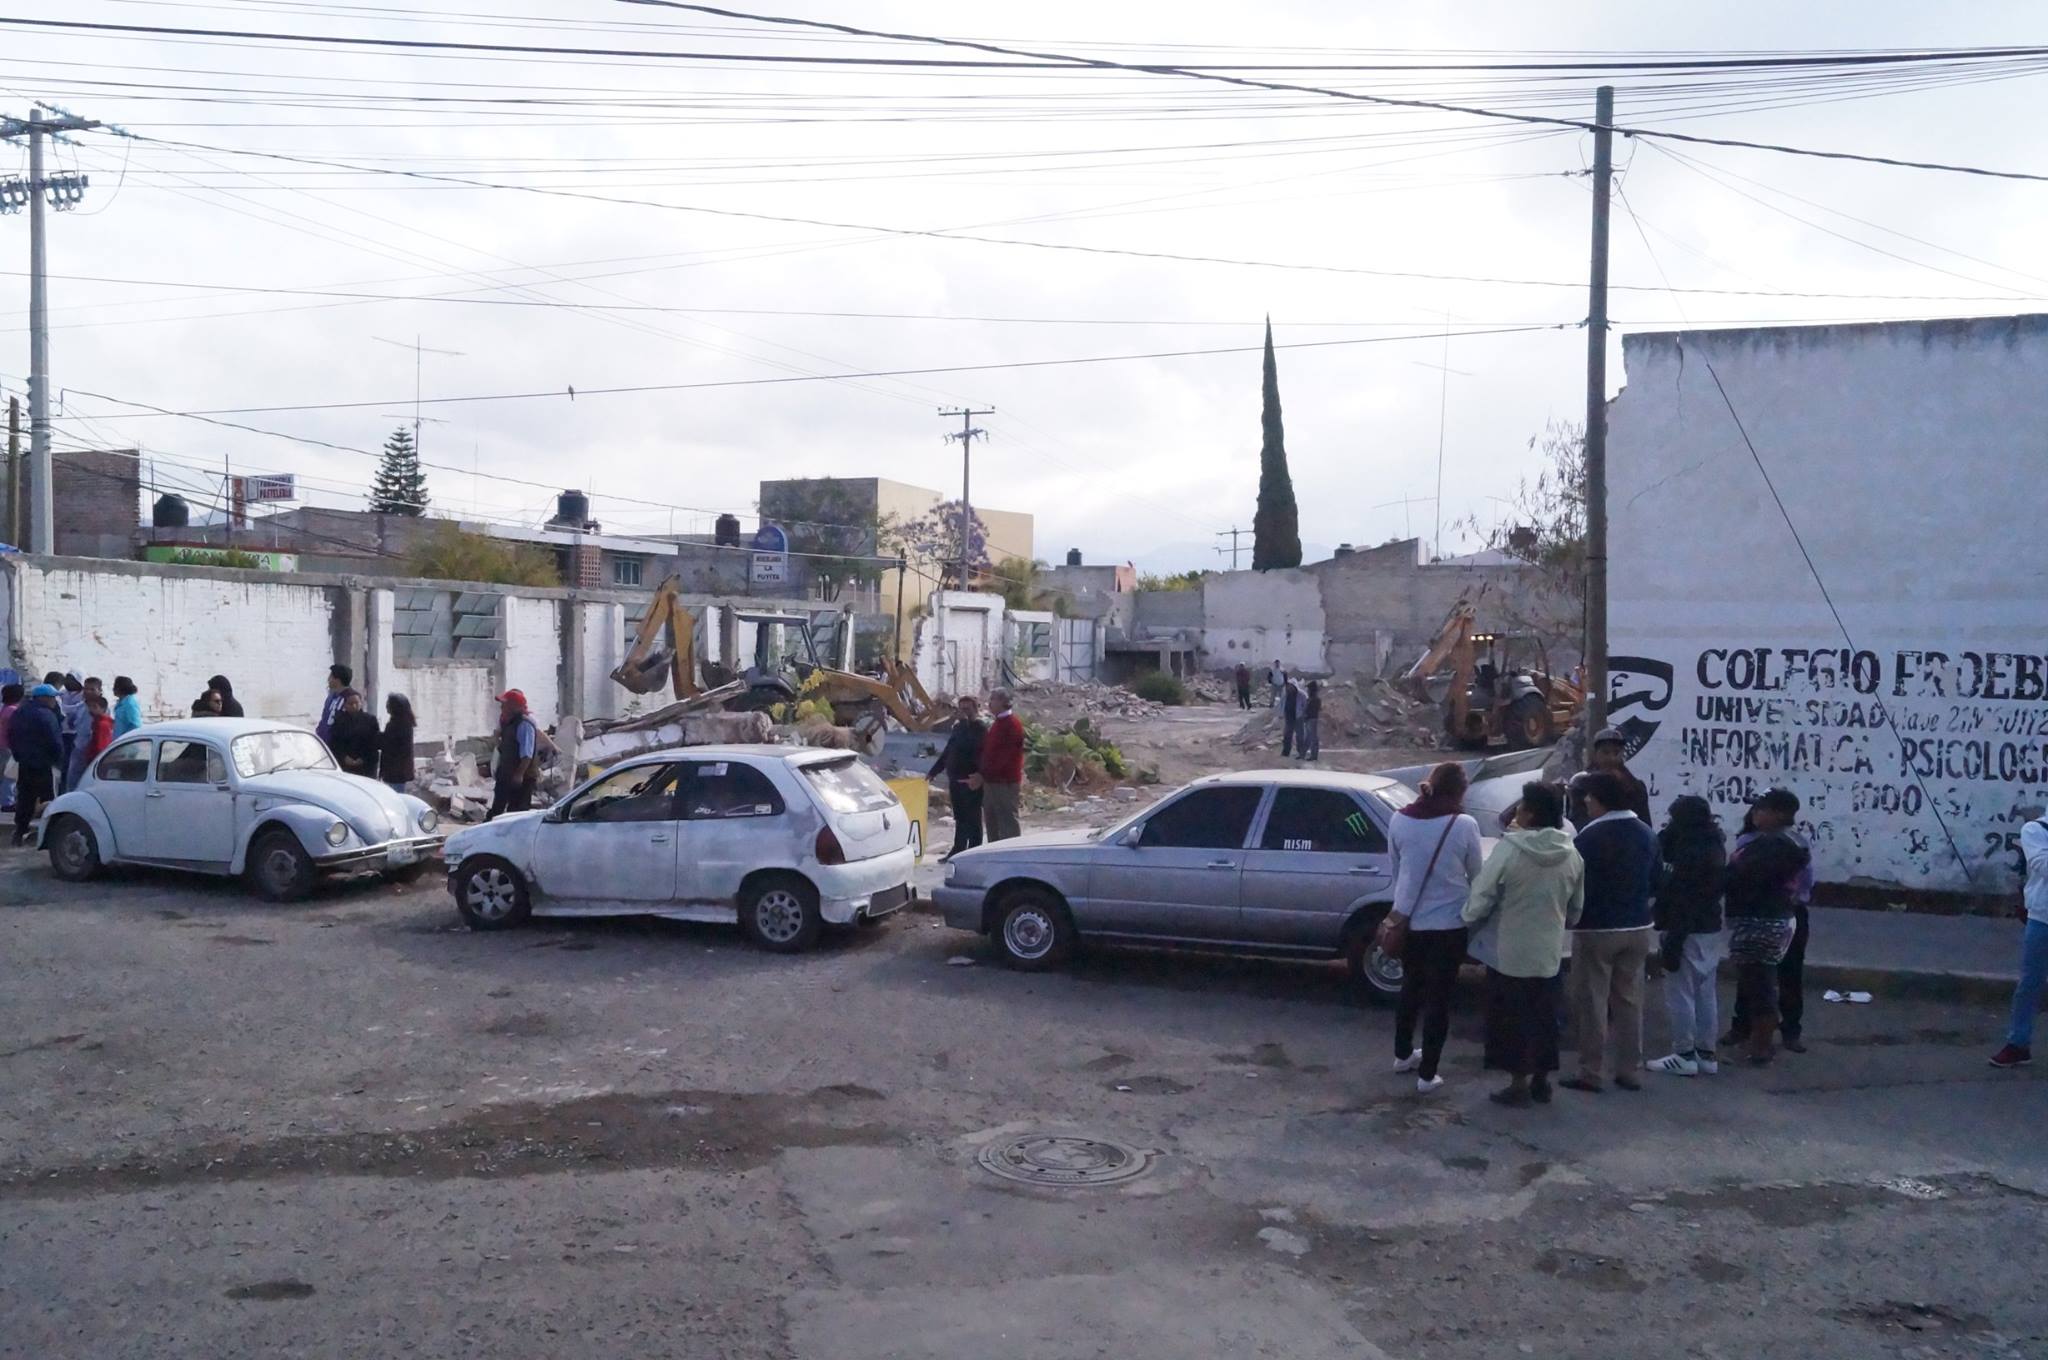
x,y
1286,862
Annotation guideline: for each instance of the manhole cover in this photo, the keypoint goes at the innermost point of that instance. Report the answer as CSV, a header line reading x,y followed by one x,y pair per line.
x,y
1065,1160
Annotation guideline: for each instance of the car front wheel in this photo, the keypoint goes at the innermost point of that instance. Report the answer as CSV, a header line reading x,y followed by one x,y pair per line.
x,y
278,867
780,914
1033,931
74,850
490,894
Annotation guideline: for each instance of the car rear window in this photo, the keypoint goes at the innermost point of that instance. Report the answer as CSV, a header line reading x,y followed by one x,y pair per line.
x,y
849,786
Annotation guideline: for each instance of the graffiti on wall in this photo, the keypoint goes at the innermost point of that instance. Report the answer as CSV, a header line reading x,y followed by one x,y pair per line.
x,y
1914,765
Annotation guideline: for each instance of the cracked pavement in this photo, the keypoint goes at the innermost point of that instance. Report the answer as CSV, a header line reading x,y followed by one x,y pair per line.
x,y
351,1127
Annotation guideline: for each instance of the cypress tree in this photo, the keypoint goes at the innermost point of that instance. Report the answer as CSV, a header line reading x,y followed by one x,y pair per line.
x,y
401,485
1276,524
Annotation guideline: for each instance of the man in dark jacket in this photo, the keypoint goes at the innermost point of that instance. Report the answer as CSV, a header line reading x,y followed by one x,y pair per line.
x,y
35,737
1611,943
961,761
1610,751
230,706
1691,940
339,678
515,769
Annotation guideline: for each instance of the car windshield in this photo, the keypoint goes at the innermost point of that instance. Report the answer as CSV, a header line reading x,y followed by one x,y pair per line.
x,y
846,785
273,752
1396,796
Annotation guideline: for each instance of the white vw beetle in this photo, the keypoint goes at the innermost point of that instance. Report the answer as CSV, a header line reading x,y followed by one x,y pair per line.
x,y
234,796
782,839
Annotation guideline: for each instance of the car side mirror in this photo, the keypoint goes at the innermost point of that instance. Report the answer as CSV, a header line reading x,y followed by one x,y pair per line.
x,y
1134,838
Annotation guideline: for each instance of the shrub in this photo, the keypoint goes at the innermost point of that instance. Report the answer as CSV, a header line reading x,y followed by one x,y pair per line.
x,y
1160,688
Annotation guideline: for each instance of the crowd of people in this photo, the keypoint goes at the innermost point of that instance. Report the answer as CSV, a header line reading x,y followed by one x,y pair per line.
x,y
52,731
1583,864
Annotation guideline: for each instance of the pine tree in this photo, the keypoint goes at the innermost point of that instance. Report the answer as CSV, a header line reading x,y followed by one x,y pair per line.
x,y
1276,524
401,486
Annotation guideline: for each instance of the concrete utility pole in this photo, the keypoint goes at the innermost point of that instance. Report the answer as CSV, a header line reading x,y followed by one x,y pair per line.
x,y
63,193
14,471
1596,422
1233,534
967,434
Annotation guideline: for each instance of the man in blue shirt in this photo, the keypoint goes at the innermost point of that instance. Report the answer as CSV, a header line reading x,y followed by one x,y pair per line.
x,y
339,678
514,771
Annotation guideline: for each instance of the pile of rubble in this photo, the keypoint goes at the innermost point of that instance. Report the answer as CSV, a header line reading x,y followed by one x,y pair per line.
x,y
1367,713
457,786
1051,704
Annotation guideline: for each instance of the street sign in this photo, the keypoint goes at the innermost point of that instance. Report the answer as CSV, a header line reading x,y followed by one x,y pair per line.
x,y
771,556
275,487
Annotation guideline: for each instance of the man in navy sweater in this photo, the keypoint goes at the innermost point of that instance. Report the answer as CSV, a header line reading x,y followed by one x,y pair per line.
x,y
1612,941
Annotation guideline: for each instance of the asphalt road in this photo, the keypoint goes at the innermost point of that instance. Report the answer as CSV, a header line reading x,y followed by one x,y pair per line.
x,y
352,1128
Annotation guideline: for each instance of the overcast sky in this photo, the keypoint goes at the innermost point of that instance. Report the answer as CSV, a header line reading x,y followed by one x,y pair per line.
x,y
1145,458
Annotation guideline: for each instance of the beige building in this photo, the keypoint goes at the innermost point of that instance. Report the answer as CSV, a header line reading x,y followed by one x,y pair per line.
x,y
878,500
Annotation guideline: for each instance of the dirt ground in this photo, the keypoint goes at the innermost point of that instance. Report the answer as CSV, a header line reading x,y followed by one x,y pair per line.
x,y
350,1127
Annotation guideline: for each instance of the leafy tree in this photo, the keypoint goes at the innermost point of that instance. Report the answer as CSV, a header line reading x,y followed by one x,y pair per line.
x,y
449,554
1016,580
1276,524
1180,580
833,526
401,485
1544,524
934,537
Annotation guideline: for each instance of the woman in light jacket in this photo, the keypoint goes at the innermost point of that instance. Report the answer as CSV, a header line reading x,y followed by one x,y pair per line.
x,y
1529,893
1435,850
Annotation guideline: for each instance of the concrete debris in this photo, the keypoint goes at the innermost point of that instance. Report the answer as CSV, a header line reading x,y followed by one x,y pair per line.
x,y
1123,793
1049,704
1366,713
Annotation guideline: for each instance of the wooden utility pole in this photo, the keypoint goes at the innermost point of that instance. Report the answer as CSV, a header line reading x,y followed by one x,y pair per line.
x,y
1596,422
1233,534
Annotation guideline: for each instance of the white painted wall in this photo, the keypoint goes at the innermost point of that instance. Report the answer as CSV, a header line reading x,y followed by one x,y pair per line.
x,y
605,641
1905,455
959,643
533,655
450,701
1258,617
169,629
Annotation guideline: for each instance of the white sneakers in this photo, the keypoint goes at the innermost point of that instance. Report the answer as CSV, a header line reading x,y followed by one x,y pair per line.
x,y
1424,1085
1409,1063
1678,1065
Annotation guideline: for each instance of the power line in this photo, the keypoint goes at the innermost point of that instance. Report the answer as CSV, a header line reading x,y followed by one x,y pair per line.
x,y
877,373
1577,124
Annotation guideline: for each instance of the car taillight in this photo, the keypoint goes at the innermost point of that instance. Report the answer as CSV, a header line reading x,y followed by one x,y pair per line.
x,y
828,848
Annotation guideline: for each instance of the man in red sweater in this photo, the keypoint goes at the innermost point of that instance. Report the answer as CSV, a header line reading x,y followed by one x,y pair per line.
x,y
1001,778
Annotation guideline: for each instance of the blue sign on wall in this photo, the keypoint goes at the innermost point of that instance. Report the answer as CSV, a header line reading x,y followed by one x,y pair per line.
x,y
770,538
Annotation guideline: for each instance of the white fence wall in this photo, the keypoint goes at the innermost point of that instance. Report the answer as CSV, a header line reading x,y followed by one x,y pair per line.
x,y
1904,455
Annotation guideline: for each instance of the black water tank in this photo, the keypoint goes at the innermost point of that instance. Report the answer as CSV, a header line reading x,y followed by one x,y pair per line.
x,y
170,512
726,533
1073,557
572,508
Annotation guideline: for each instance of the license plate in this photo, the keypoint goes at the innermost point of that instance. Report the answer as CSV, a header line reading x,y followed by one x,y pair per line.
x,y
402,855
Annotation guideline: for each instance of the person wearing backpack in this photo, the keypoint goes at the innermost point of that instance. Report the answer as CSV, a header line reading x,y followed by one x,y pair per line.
x,y
2026,997
1690,939
1434,849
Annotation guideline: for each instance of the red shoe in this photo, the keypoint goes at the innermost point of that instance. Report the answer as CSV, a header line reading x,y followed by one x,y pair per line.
x,y
2012,1055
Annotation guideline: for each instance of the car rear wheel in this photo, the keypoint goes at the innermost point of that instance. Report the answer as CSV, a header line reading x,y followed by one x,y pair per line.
x,y
490,894
1033,931
1376,973
74,850
779,913
278,867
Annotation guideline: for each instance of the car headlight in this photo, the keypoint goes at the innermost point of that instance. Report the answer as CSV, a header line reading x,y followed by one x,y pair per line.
x,y
952,871
337,833
429,819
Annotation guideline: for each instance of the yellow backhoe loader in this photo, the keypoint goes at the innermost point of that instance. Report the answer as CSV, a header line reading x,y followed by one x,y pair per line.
x,y
1501,691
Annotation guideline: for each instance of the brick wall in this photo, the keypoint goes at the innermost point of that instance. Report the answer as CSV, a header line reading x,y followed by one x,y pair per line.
x,y
96,505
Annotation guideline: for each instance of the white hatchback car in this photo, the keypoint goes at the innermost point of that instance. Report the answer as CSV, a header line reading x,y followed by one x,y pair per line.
x,y
781,839
235,796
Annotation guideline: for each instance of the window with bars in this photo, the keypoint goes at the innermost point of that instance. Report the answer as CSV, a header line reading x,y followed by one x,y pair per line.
x,y
446,625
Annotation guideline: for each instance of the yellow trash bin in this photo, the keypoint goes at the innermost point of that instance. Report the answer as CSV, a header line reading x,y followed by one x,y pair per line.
x,y
916,797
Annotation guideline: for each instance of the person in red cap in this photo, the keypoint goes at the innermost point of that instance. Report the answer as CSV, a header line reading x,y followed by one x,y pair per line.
x,y
516,771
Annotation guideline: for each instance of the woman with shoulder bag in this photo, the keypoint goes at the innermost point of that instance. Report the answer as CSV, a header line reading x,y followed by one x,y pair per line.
x,y
1435,852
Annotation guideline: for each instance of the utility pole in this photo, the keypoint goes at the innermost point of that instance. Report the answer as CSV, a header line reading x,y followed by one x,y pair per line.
x,y
63,193
1233,534
14,470
967,434
1596,422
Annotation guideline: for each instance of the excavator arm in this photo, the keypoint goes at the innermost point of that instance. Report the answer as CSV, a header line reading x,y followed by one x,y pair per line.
x,y
1453,644
665,647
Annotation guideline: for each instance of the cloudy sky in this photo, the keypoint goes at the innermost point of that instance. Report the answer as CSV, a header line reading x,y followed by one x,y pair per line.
x,y
401,200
